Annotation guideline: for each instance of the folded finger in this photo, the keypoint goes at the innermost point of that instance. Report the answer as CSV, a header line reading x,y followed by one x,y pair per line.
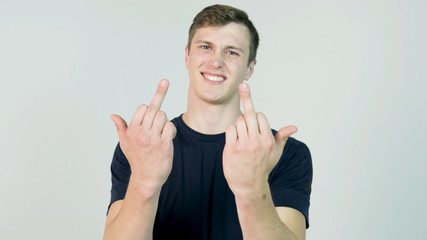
x,y
241,129
169,131
231,135
264,126
138,116
159,122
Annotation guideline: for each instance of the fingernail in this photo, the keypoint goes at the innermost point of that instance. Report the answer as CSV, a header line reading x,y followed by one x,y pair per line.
x,y
163,83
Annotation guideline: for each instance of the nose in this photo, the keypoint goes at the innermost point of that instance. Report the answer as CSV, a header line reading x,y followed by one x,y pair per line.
x,y
217,60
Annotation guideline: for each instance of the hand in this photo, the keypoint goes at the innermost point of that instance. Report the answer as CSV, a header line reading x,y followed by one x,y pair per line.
x,y
147,142
251,151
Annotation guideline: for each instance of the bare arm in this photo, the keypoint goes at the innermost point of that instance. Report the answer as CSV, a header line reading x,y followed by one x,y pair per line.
x,y
133,217
147,144
250,153
259,219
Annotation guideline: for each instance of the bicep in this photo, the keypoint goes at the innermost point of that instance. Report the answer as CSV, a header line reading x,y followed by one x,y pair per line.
x,y
294,220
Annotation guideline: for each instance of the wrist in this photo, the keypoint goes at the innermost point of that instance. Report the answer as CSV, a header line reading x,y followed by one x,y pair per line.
x,y
254,194
146,189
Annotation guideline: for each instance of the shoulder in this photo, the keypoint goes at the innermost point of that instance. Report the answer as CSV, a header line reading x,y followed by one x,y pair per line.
x,y
294,148
177,121
296,152
295,162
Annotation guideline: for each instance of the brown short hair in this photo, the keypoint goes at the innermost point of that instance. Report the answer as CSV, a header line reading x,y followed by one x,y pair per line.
x,y
221,15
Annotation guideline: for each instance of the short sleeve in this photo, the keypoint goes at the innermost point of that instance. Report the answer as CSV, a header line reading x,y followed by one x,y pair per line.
x,y
290,180
120,175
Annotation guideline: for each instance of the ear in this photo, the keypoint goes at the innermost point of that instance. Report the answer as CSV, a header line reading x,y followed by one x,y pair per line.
x,y
186,57
250,70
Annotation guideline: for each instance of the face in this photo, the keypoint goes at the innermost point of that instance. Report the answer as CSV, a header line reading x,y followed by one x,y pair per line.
x,y
218,62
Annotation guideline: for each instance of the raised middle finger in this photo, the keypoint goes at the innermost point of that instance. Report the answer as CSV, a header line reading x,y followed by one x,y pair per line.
x,y
248,109
155,104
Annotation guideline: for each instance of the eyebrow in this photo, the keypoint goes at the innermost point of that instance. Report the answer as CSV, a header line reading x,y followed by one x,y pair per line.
x,y
228,46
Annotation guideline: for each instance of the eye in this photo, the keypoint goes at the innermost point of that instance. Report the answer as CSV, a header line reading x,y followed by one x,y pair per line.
x,y
232,53
205,47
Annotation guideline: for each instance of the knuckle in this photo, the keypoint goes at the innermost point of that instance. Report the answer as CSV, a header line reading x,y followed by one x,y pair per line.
x,y
238,148
256,145
150,109
168,126
130,132
142,107
155,141
142,139
269,143
164,146
240,120
161,115
172,126
229,149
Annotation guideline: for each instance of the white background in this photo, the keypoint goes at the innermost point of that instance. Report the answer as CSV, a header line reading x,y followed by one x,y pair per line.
x,y
350,74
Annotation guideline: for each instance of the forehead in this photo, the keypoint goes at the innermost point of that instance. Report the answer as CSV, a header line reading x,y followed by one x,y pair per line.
x,y
233,34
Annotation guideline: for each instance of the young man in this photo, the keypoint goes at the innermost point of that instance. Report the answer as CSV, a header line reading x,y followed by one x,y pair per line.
x,y
213,172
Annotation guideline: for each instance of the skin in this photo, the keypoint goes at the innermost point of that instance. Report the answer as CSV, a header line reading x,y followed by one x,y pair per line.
x,y
147,144
250,153
211,108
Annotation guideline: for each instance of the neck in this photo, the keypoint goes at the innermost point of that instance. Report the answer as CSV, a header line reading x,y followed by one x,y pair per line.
x,y
210,118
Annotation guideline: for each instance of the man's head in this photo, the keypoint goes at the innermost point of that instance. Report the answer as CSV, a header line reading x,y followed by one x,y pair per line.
x,y
221,15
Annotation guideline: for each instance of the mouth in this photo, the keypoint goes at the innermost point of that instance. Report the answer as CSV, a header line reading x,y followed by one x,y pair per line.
x,y
213,78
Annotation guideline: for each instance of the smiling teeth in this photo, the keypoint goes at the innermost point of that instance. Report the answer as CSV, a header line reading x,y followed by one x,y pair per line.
x,y
214,78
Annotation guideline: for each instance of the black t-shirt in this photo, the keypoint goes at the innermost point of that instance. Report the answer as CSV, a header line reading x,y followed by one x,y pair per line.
x,y
196,202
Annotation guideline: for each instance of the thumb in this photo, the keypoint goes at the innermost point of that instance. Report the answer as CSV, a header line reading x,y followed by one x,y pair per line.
x,y
283,134
121,125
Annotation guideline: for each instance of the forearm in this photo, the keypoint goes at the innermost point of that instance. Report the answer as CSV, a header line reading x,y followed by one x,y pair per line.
x,y
259,218
135,219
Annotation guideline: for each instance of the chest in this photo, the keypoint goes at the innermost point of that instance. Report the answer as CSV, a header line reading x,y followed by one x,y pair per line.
x,y
196,201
